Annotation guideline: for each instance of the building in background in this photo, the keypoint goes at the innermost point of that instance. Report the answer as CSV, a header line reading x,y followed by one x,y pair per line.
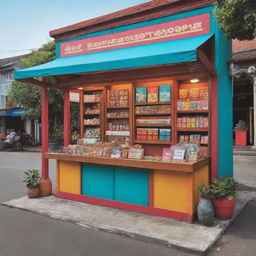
x,y
242,67
11,114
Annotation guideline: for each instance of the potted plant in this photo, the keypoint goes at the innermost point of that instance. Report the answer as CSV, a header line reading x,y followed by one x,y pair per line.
x,y
224,190
32,181
205,211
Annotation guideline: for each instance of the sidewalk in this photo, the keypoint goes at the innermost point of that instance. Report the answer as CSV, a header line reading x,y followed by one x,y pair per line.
x,y
193,237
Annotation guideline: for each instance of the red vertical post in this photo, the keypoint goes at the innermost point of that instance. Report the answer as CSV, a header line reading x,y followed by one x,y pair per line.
x,y
66,119
81,102
46,185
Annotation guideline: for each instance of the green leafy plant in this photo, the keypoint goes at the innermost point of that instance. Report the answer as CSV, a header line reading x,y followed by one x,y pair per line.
x,y
224,187
237,18
32,178
205,192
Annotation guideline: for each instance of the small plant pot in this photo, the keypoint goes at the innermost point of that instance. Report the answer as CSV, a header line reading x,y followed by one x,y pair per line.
x,y
224,208
33,192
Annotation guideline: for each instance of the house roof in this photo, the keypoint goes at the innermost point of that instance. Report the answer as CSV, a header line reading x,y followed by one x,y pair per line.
x,y
9,61
147,11
247,55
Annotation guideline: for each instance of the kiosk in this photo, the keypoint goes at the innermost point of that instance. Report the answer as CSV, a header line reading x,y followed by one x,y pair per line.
x,y
153,75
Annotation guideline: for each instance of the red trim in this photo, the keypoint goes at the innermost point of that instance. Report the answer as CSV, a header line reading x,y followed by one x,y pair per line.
x,y
189,27
44,120
214,128
129,207
66,119
151,189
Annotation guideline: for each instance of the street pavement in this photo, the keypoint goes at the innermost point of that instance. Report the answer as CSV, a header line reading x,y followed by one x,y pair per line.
x,y
26,233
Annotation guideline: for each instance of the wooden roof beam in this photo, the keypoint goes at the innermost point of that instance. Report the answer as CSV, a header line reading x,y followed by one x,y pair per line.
x,y
207,64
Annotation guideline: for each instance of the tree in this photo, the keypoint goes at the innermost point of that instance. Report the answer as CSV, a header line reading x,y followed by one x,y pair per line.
x,y
29,96
237,18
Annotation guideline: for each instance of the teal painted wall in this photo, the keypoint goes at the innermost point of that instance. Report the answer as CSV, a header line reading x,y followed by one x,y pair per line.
x,y
223,51
119,184
131,186
98,181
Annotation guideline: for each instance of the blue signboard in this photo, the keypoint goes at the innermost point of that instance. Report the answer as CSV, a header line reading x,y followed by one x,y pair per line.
x,y
13,112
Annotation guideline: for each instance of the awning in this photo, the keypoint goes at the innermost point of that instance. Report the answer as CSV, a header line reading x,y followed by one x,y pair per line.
x,y
13,112
176,51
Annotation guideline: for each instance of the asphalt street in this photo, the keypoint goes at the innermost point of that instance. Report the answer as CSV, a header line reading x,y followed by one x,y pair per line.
x,y
23,233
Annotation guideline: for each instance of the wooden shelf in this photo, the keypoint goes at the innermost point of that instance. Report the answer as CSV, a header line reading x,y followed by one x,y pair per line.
x,y
118,107
91,124
153,114
153,125
92,102
92,114
117,117
192,129
152,103
192,111
159,142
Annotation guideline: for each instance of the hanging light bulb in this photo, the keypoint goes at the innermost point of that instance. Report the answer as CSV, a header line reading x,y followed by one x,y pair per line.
x,y
194,80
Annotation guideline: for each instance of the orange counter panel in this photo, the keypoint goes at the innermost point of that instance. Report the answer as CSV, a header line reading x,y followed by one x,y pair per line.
x,y
172,191
69,177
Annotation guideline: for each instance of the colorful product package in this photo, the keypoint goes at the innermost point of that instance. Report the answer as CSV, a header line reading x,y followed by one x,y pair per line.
x,y
153,94
141,94
164,93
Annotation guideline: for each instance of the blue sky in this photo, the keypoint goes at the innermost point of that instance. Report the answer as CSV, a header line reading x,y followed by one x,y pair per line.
x,y
25,24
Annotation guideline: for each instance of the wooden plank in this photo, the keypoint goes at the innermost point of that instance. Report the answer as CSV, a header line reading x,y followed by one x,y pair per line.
x,y
206,62
139,13
173,166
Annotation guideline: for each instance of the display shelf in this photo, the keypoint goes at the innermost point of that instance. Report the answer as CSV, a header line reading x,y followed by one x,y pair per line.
x,y
91,124
192,129
92,114
113,118
159,142
153,103
160,114
118,108
153,125
191,111
92,102
118,133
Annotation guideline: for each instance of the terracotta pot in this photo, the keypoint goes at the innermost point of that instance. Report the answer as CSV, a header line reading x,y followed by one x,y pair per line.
x,y
224,208
45,187
33,192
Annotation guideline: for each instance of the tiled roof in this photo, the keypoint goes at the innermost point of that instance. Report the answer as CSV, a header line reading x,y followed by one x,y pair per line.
x,y
242,56
10,60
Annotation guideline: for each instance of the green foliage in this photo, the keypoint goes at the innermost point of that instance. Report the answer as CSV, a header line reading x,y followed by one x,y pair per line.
x,y
224,187
29,96
205,192
237,18
32,179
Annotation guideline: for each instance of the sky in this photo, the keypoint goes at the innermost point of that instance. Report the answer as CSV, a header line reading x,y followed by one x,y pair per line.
x,y
25,24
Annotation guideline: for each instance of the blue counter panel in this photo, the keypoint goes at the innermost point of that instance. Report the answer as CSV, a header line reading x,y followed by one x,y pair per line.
x,y
131,186
98,181
125,185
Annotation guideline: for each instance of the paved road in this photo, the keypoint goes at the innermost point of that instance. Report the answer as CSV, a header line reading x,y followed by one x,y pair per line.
x,y
23,233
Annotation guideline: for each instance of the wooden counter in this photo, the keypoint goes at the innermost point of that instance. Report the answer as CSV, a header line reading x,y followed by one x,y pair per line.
x,y
172,166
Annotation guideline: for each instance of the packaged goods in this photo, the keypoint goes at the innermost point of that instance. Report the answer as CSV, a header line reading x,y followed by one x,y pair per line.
x,y
141,94
164,93
153,94
167,154
118,98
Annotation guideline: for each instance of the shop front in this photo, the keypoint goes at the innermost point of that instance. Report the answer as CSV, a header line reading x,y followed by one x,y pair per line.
x,y
155,109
